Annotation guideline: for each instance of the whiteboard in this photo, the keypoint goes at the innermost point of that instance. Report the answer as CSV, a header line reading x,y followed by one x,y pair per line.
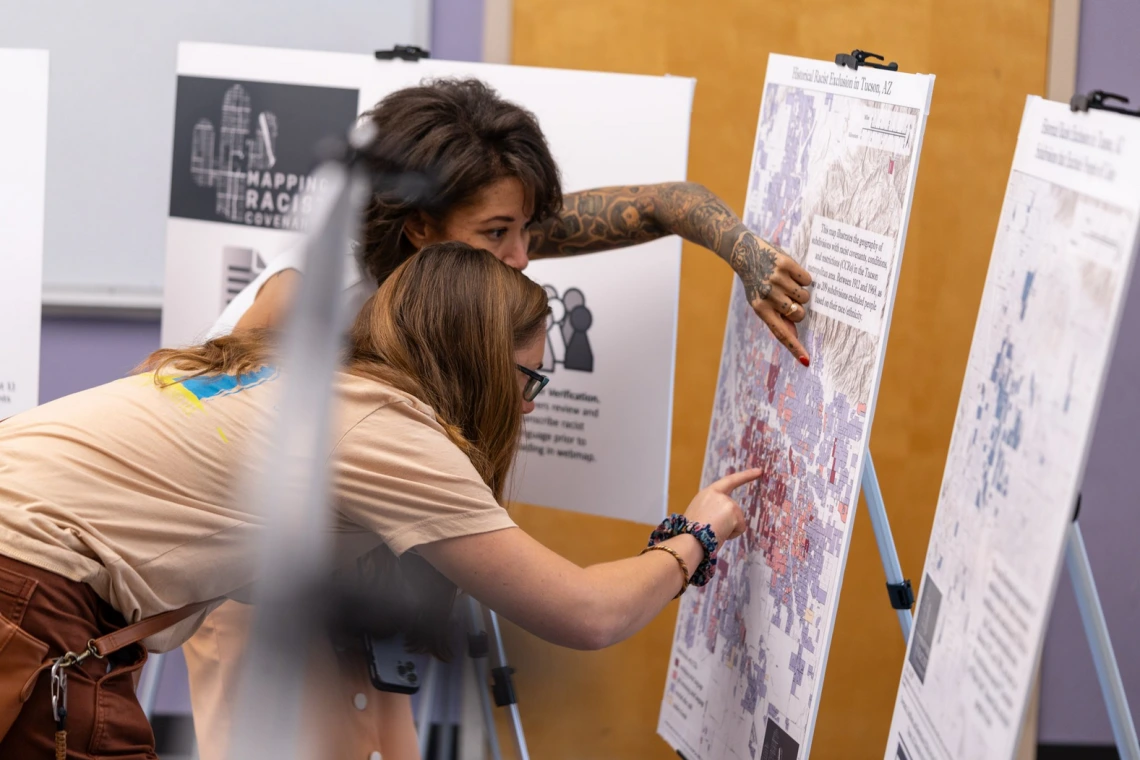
x,y
23,144
599,440
112,110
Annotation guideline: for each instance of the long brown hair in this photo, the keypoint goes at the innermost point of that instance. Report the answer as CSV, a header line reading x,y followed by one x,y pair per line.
x,y
444,328
463,136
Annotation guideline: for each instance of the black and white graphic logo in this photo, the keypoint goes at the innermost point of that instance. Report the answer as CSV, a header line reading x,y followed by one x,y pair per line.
x,y
566,340
244,151
240,267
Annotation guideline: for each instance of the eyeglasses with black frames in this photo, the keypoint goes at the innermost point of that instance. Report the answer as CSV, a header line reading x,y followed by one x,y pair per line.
x,y
535,382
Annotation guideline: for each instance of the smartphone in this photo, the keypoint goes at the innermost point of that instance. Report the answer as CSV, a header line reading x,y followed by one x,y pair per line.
x,y
391,668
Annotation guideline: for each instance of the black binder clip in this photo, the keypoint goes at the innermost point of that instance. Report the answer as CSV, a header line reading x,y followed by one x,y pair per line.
x,y
857,58
901,594
1098,100
403,52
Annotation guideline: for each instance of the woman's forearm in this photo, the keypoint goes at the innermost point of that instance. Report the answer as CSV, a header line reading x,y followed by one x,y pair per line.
x,y
554,599
615,217
631,592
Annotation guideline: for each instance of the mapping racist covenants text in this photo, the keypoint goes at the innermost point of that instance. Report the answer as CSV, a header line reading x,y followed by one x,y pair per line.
x,y
832,177
1042,343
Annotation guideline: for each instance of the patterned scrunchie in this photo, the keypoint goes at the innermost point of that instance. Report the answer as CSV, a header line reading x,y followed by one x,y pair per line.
x,y
675,525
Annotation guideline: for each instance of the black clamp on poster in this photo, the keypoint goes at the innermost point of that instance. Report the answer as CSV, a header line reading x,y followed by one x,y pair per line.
x,y
503,686
857,58
403,52
1098,100
901,594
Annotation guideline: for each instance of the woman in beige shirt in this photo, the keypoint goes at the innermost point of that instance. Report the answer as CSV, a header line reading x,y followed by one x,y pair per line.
x,y
116,503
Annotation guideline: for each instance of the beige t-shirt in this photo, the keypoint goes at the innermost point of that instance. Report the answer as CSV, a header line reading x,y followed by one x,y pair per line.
x,y
131,488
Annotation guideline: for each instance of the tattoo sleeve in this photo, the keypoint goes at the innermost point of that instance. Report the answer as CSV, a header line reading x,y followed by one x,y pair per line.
x,y
616,217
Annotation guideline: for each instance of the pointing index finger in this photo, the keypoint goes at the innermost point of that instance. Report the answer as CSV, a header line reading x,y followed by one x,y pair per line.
x,y
785,332
730,483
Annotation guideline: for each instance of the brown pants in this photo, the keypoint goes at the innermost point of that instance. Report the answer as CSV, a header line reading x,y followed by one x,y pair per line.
x,y
104,718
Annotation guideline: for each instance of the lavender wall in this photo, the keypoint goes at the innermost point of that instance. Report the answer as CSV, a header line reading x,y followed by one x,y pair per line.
x,y
1072,711
457,30
76,354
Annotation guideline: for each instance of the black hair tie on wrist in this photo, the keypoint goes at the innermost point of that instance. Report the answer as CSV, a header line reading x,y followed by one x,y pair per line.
x,y
676,525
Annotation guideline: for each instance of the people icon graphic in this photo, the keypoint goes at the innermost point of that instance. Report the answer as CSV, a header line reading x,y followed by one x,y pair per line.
x,y
566,340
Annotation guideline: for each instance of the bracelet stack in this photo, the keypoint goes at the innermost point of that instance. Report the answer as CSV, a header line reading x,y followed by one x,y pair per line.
x,y
676,525
680,563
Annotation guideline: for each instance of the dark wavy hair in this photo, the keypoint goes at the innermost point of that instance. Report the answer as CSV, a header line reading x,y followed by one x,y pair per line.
x,y
462,136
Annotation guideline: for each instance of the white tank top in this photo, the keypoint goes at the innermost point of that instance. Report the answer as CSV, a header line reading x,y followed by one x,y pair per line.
x,y
355,287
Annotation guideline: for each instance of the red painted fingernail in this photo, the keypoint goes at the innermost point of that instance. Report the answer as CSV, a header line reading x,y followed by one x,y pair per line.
x,y
805,361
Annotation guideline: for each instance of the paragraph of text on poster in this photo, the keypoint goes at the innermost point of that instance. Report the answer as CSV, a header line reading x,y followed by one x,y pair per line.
x,y
559,426
8,396
851,270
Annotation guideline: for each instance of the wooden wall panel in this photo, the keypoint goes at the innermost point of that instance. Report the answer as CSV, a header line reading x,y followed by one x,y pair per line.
x,y
987,58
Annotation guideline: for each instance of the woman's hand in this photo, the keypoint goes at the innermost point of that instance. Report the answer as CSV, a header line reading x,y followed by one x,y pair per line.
x,y
714,505
775,286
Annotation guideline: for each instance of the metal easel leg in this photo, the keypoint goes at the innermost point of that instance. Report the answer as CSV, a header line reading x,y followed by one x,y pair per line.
x,y
453,681
477,650
1096,629
504,688
899,588
426,708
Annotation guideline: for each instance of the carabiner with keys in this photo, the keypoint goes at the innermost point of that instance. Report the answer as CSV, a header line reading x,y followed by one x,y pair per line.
x,y
59,693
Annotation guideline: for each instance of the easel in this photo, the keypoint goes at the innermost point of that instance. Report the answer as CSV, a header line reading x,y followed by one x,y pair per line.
x,y
502,688
1092,613
1076,555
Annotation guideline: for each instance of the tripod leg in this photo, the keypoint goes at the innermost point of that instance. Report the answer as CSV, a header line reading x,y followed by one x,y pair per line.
x,y
1096,629
877,511
426,708
500,655
483,675
148,684
453,687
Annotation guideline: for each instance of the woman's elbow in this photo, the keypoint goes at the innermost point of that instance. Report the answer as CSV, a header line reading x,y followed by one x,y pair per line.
x,y
591,639
596,629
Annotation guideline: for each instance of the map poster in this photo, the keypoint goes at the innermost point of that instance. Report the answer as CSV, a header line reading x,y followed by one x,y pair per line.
x,y
1044,336
832,177
23,156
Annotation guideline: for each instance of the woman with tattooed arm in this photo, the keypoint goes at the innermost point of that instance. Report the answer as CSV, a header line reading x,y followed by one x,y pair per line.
x,y
498,188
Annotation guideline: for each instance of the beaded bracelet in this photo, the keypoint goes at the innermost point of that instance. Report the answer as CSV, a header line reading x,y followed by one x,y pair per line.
x,y
680,564
676,525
